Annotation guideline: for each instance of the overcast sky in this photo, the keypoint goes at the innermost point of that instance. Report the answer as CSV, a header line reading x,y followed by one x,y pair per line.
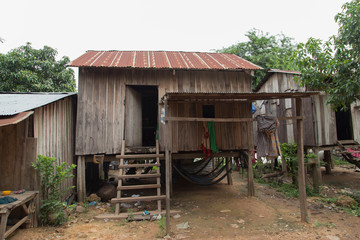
x,y
72,27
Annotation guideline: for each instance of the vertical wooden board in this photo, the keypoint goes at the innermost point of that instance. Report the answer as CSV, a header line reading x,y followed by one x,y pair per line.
x,y
109,114
309,138
31,177
192,82
133,117
8,155
119,114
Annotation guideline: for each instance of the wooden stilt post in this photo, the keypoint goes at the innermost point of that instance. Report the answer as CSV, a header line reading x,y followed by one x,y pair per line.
x,y
81,186
251,187
168,166
301,167
327,160
317,172
228,167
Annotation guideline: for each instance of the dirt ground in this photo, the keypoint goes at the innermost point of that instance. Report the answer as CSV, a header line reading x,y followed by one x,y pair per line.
x,y
222,212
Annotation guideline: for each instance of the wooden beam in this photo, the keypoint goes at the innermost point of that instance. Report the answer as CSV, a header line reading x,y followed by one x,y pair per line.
x,y
140,165
18,224
135,199
179,156
228,167
198,119
139,176
301,166
81,183
145,186
140,156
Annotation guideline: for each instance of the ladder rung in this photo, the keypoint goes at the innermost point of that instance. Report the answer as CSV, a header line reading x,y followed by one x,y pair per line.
x,y
131,187
135,199
140,165
139,176
139,156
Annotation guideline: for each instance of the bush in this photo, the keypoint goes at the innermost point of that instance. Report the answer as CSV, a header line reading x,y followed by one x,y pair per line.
x,y
52,176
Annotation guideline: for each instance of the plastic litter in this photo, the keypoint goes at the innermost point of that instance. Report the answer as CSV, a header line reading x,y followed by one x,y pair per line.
x,y
92,203
145,213
184,225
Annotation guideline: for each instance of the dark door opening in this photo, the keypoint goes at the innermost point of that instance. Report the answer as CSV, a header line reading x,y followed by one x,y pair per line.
x,y
149,113
344,125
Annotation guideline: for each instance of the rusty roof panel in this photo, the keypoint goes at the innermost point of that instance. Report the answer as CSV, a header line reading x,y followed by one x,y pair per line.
x,y
163,60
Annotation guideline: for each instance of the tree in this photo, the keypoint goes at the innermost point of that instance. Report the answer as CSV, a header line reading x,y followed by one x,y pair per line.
x,y
333,65
265,50
26,69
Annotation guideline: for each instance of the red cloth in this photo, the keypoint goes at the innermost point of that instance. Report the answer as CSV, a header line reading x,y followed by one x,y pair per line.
x,y
353,154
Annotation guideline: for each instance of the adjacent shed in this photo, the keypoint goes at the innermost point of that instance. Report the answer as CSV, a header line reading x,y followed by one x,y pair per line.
x,y
323,125
32,124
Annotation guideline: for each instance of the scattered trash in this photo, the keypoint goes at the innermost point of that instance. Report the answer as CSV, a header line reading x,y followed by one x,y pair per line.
x,y
125,205
234,225
135,195
177,216
184,225
241,221
106,220
261,216
225,211
93,203
158,217
145,213
138,203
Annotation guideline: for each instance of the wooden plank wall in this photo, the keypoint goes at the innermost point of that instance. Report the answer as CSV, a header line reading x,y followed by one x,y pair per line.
x,y
54,128
17,152
355,113
100,115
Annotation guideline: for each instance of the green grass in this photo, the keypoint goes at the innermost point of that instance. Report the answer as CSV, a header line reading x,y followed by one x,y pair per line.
x,y
340,161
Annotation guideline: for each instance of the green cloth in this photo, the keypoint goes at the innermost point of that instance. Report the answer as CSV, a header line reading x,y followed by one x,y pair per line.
x,y
212,137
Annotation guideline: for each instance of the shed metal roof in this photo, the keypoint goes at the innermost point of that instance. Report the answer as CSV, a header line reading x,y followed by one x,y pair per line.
x,y
14,103
163,60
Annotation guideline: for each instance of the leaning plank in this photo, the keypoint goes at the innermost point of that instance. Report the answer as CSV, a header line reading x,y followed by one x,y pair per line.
x,y
139,156
132,187
18,224
135,199
139,176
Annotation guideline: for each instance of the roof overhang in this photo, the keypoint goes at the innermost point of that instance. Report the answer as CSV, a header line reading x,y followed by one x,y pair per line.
x,y
200,96
14,119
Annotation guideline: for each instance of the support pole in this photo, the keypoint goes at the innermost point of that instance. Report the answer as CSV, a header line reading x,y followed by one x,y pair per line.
x,y
251,187
301,167
317,181
228,167
81,186
167,184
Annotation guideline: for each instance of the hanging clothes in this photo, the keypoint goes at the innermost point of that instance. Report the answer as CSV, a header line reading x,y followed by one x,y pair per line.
x,y
208,142
267,137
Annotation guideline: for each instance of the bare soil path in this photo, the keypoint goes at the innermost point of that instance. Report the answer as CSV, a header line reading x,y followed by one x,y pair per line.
x,y
220,212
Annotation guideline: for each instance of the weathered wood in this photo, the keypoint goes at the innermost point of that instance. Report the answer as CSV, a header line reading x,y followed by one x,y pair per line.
x,y
327,160
135,199
228,168
139,176
251,187
126,215
158,185
224,120
133,117
121,172
140,156
275,174
191,155
301,166
132,187
81,181
140,165
18,224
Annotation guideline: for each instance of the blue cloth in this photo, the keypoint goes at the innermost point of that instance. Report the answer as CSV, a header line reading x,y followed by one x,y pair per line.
x,y
6,200
253,108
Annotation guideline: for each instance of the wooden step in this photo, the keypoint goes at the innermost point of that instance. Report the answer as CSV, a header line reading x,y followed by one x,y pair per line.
x,y
140,165
132,187
135,199
113,216
140,156
139,176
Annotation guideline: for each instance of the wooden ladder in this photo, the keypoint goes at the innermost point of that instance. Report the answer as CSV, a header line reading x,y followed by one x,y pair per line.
x,y
118,200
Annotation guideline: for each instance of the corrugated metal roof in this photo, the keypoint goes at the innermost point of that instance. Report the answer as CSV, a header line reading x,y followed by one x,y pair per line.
x,y
14,103
269,73
14,119
163,60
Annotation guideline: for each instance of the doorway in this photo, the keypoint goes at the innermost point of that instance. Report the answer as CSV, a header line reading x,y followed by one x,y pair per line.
x,y
344,125
141,115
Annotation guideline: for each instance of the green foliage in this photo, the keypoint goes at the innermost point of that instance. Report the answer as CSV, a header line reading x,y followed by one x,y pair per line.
x,y
130,215
265,50
333,65
324,224
52,176
26,69
162,226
